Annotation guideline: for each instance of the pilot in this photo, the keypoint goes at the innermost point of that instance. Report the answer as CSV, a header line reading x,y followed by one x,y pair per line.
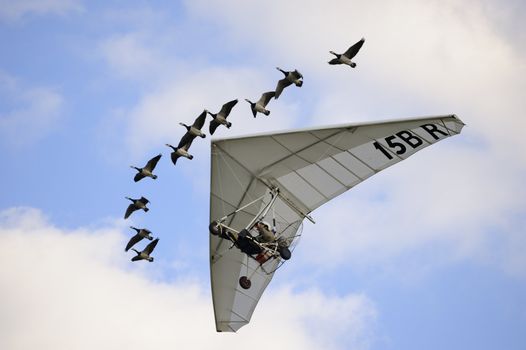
x,y
265,234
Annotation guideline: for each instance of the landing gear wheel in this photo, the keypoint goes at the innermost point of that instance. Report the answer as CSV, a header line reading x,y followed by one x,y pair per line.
x,y
285,253
214,228
244,282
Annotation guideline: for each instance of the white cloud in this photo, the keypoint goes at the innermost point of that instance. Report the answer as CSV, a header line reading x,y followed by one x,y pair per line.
x,y
75,289
146,46
136,55
15,10
31,112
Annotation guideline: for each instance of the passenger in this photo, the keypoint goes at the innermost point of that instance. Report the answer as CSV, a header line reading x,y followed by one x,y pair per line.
x,y
265,234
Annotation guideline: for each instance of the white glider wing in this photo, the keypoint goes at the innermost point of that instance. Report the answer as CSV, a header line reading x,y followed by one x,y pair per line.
x,y
310,167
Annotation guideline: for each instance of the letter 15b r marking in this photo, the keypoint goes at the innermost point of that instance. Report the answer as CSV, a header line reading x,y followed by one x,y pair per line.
x,y
408,138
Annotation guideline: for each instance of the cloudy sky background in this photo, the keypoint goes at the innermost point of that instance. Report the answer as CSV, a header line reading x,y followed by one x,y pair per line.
x,y
429,253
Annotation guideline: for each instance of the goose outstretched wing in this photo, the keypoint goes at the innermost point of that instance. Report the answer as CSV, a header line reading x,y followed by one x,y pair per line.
x,y
139,176
186,141
136,258
282,84
353,50
131,208
151,246
213,126
174,157
152,163
265,98
136,238
227,107
200,121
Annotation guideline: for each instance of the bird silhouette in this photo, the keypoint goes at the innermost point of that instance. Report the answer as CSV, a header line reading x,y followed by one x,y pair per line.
x,y
346,57
147,170
261,105
141,233
292,77
220,117
145,253
136,205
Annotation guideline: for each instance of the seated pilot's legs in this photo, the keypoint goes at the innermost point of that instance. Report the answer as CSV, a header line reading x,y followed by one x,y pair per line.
x,y
246,244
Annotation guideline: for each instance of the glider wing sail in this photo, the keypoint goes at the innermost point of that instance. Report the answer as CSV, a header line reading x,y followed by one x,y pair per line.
x,y
310,167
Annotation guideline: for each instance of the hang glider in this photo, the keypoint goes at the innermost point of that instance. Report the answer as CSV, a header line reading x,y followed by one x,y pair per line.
x,y
281,178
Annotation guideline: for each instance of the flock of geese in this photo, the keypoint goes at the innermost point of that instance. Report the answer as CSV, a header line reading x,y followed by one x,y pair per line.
x,y
194,130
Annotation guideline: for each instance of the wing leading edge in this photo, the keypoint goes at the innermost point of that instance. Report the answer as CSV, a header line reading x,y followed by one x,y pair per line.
x,y
310,167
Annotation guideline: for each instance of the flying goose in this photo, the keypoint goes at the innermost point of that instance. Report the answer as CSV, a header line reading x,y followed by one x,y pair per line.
x,y
147,171
346,57
261,104
136,205
145,254
195,129
220,118
141,233
181,150
290,77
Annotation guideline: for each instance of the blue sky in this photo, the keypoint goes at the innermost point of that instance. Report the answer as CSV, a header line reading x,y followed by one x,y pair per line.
x,y
429,253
